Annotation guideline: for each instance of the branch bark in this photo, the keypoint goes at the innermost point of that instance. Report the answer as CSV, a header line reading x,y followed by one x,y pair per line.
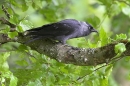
x,y
78,56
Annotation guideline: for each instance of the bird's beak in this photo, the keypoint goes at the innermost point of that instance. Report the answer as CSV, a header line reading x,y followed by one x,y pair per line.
x,y
93,30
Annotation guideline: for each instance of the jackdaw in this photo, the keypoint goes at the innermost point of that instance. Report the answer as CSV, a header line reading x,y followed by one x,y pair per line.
x,y
61,31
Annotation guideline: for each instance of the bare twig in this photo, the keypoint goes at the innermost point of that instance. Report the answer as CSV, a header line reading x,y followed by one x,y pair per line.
x,y
4,21
110,62
30,54
101,21
5,11
92,72
108,11
4,38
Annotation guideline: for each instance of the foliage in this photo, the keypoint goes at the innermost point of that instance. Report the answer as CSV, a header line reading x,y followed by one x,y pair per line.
x,y
21,66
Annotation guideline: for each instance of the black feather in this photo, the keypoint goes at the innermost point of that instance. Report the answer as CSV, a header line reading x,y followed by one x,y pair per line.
x,y
62,30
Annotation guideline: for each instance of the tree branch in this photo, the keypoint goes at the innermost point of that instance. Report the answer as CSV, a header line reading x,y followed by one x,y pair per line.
x,y
78,56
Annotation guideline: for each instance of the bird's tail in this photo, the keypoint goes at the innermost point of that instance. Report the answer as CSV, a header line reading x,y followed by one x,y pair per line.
x,y
33,34
32,31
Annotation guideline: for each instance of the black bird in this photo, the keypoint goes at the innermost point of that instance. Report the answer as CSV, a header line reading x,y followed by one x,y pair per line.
x,y
61,31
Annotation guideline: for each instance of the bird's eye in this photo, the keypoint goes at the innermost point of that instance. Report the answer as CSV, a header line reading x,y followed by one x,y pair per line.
x,y
89,28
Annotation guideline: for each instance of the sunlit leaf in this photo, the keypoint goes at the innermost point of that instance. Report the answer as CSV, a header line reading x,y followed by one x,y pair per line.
x,y
103,37
121,37
25,25
13,81
12,34
120,48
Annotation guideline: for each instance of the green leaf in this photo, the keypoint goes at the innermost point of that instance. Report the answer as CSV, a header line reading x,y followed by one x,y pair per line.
x,y
62,69
4,56
19,28
106,2
104,82
126,10
6,30
120,48
103,37
94,20
14,18
37,4
37,82
24,6
115,10
22,47
22,63
129,39
13,2
20,4
25,25
90,44
3,61
108,70
10,11
121,37
12,34
13,81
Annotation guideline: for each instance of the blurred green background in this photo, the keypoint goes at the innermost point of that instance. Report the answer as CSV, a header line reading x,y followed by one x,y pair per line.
x,y
21,66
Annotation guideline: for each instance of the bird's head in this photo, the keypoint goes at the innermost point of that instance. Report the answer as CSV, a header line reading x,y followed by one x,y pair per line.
x,y
90,28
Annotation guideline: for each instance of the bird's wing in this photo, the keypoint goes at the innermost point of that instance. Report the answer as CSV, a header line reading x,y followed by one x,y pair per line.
x,y
64,27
